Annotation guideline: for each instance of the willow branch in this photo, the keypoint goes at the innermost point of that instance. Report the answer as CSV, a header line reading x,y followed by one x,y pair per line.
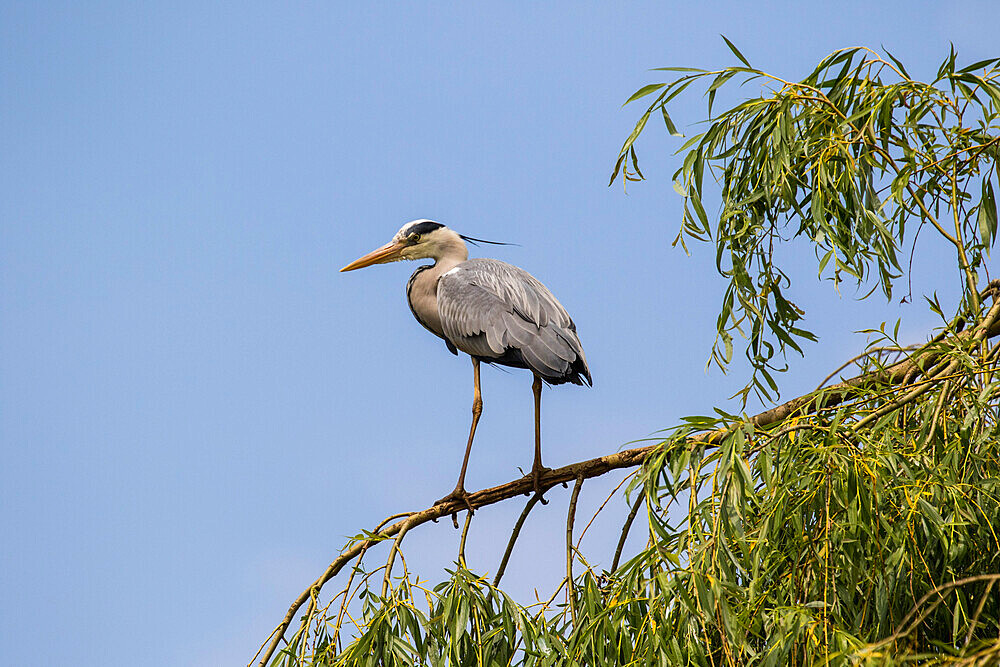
x,y
977,334
513,538
864,355
925,357
906,627
979,610
625,530
896,374
570,518
392,555
611,495
461,542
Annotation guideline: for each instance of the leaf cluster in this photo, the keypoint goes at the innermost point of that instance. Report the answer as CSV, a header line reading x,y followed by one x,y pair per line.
x,y
849,158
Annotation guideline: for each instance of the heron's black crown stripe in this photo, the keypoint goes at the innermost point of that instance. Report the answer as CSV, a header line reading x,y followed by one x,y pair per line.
x,y
424,227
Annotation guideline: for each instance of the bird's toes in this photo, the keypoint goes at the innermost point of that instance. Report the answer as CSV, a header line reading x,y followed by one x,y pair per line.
x,y
536,482
459,496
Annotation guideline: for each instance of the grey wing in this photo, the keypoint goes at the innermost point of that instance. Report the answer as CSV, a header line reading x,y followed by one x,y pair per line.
x,y
501,313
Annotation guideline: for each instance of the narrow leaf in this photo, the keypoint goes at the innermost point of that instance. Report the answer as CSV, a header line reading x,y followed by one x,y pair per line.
x,y
898,64
736,52
671,128
645,90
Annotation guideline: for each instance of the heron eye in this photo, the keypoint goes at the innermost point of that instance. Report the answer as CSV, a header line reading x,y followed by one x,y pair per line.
x,y
414,238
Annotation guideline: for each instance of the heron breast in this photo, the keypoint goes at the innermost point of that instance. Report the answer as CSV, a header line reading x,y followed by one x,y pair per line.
x,y
421,292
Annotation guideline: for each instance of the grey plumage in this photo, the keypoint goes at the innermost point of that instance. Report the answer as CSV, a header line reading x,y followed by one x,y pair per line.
x,y
501,314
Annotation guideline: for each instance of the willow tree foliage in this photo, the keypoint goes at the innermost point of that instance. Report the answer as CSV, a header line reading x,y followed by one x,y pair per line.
x,y
859,524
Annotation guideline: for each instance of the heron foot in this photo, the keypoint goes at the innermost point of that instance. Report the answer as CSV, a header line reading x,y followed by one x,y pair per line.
x,y
536,481
458,495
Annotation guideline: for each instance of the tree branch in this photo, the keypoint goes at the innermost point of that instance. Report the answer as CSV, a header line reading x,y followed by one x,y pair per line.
x,y
813,402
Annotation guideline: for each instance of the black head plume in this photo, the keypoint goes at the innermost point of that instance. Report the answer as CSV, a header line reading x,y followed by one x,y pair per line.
x,y
475,241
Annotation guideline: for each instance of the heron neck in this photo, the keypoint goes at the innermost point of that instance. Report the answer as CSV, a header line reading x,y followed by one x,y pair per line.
x,y
451,253
421,291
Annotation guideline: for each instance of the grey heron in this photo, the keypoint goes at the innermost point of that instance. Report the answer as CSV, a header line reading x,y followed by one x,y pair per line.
x,y
494,312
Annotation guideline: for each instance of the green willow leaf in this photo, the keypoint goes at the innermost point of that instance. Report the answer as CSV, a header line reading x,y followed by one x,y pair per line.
x,y
645,90
736,52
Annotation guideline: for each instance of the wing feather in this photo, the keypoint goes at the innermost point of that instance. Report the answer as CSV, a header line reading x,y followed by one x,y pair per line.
x,y
493,310
519,331
555,344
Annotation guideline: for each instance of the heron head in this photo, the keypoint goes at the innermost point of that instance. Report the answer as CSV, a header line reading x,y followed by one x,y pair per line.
x,y
419,239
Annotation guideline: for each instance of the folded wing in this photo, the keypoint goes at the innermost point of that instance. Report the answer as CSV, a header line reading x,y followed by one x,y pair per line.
x,y
502,314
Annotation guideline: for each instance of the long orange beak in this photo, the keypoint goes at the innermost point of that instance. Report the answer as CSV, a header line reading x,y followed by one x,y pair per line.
x,y
387,253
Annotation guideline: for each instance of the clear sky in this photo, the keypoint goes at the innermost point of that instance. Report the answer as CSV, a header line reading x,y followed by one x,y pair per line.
x,y
195,407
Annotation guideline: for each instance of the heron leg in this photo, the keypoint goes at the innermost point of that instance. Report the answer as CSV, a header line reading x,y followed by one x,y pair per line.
x,y
477,409
537,468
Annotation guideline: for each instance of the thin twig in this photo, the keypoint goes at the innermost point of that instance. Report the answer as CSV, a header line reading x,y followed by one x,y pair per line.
x,y
905,399
611,495
386,520
867,353
306,620
978,332
905,627
461,543
945,388
570,518
392,556
513,537
625,530
979,609
350,578
545,605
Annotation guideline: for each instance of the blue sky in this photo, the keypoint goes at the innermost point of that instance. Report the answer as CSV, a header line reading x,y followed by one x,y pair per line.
x,y
195,407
